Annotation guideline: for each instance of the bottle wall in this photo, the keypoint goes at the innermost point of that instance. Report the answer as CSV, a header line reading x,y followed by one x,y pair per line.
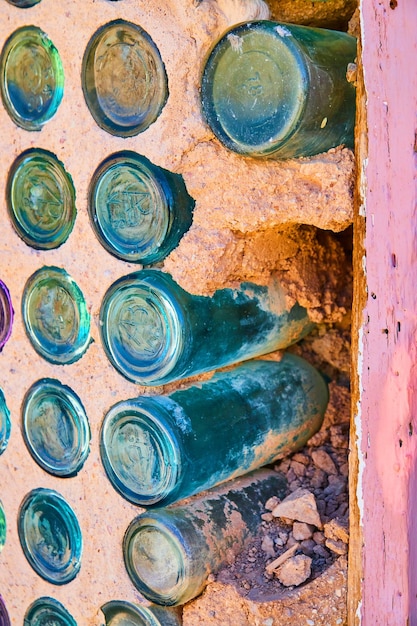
x,y
242,210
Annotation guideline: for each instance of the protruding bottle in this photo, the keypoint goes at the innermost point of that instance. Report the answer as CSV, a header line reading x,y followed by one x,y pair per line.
x,y
55,315
50,536
32,77
138,210
154,332
170,552
45,611
4,616
124,79
121,613
159,449
55,427
5,423
3,527
280,90
6,314
23,4
40,198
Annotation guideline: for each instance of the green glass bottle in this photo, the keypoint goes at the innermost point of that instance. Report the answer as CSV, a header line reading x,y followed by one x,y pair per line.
x,y
47,611
4,616
55,427
170,552
5,423
122,613
23,4
50,536
3,527
6,314
40,199
55,315
124,80
139,211
159,449
154,332
280,90
31,77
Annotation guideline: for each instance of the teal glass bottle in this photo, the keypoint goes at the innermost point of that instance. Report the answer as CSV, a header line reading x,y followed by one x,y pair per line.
x,y
3,527
159,449
280,90
50,536
47,611
170,552
55,427
40,199
23,4
4,616
139,211
6,315
5,424
55,315
154,332
124,80
31,77
122,613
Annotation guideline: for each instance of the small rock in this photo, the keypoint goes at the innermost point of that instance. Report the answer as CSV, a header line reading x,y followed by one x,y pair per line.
x,y
324,461
300,457
307,546
318,537
271,503
300,506
298,468
267,517
267,546
319,438
302,531
337,546
295,570
321,551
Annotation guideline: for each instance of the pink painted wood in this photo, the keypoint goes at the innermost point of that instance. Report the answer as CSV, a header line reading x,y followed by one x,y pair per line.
x,y
386,415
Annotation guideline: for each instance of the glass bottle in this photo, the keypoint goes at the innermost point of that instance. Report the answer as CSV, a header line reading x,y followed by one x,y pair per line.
x,y
121,613
4,616
154,332
55,315
123,77
50,536
45,611
6,314
40,199
55,427
5,423
159,449
3,527
23,4
170,552
31,77
280,90
139,211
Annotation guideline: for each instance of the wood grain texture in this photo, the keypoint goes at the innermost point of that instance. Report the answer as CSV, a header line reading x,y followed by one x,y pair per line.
x,y
383,579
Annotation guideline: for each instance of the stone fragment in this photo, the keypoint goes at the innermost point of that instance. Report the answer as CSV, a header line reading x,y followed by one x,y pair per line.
x,y
337,529
337,546
271,503
267,546
294,571
300,506
302,531
324,461
271,567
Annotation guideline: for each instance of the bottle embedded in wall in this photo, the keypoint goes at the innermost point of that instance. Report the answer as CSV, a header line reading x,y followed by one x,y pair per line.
x,y
272,89
154,332
159,449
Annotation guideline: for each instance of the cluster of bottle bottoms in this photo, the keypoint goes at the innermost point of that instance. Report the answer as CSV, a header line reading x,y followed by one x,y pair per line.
x,y
267,89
